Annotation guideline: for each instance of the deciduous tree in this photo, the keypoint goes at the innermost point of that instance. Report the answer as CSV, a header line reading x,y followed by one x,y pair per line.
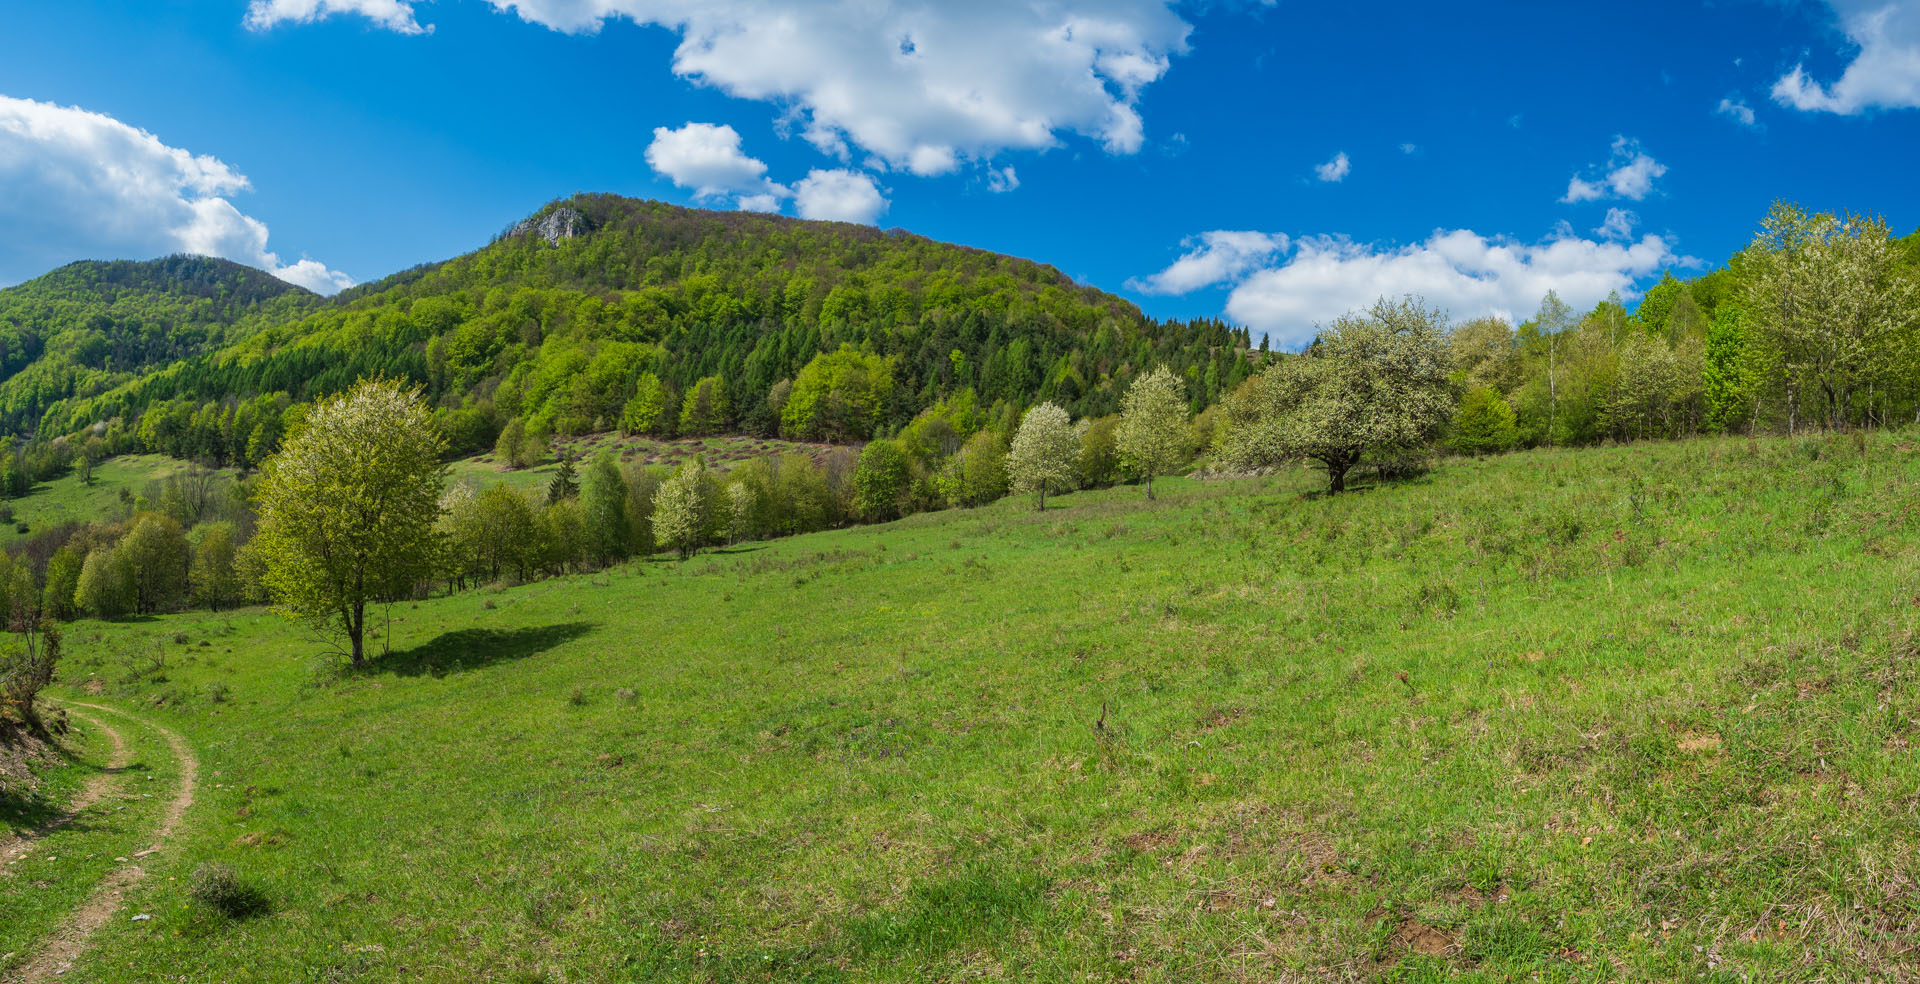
x,y
347,508
1369,383
1153,424
1045,453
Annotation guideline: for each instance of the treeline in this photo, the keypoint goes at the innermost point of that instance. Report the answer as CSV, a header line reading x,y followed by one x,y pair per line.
x,y
1816,323
187,540
634,322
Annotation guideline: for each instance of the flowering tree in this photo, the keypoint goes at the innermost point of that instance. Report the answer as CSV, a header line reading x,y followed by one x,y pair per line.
x,y
1153,424
1370,383
347,508
1046,452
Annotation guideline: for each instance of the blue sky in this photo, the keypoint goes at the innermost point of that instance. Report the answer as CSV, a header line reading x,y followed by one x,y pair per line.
x,y
1188,155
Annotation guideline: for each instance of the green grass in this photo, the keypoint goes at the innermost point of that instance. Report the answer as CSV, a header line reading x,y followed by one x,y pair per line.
x,y
721,452
1640,713
116,481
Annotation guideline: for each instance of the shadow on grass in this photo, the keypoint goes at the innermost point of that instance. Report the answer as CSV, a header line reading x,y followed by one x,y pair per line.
x,y
738,548
468,649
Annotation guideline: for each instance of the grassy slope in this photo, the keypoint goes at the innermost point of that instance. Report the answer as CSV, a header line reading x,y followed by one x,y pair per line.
x,y
1655,722
721,452
67,499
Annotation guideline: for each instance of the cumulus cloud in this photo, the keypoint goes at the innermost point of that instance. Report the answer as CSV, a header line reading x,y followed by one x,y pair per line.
x,y
1460,271
1630,174
1618,225
707,158
1002,179
1738,111
920,87
840,196
1334,170
1216,257
1885,74
81,185
394,15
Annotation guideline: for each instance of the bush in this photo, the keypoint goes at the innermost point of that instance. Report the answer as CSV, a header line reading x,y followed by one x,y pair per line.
x,y
1484,424
25,671
217,887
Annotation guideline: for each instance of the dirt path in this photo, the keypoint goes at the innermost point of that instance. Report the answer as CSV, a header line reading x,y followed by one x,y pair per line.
x,y
65,944
16,847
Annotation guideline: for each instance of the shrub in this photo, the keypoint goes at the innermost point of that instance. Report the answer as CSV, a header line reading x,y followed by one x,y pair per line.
x,y
217,887
1484,424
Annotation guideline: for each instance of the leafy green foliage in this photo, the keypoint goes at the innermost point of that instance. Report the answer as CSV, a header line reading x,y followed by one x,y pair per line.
x,y
1153,425
347,509
564,336
880,481
1484,423
91,326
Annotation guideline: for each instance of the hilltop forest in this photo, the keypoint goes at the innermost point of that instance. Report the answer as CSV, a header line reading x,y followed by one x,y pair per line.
x,y
567,317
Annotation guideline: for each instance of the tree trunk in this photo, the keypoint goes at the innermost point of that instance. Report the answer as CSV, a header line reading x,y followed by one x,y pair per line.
x,y
1337,475
1149,486
357,632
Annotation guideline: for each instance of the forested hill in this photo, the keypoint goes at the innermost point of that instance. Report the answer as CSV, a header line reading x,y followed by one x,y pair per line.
x,y
90,326
600,312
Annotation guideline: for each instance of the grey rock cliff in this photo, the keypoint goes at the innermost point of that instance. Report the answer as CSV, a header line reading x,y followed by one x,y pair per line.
x,y
561,223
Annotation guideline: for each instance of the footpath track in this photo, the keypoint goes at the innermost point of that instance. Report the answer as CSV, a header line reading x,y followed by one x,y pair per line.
x,y
69,941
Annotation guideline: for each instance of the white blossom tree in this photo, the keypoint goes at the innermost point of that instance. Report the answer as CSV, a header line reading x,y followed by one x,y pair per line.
x,y
1829,295
1153,424
677,510
1369,383
740,506
1045,454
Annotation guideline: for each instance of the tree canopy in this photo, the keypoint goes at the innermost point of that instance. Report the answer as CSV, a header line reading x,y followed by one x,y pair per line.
x,y
347,508
1369,383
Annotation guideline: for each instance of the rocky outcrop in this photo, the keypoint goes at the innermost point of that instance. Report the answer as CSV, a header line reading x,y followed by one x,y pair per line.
x,y
561,223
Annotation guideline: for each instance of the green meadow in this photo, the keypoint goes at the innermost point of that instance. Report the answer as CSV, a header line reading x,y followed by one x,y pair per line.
x,y
719,452
1638,713
117,483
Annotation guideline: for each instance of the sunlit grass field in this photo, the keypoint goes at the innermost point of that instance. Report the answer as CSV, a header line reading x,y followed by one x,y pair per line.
x,y
117,482
720,452
1637,713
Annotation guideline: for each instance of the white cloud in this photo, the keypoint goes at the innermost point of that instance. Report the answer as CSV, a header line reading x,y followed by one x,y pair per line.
x,y
768,202
1002,179
1737,110
1408,148
840,196
1630,175
921,87
81,185
707,158
1460,271
1212,258
1334,170
394,15
1618,225
1885,74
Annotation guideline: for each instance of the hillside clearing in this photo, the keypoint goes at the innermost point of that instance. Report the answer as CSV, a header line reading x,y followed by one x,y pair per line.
x,y
1641,713
720,452
117,482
